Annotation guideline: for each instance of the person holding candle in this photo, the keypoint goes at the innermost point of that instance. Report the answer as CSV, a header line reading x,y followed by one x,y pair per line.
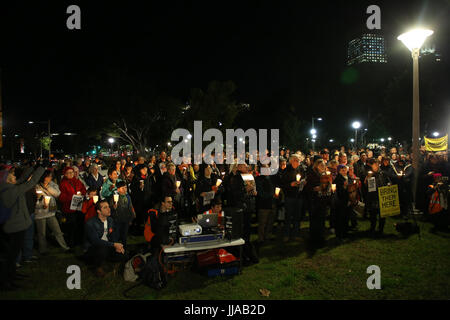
x,y
319,200
343,208
109,186
372,202
403,176
141,196
122,212
206,183
89,203
46,208
73,227
12,195
265,202
292,186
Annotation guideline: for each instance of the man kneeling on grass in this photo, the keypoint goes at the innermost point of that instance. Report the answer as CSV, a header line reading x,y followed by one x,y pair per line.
x,y
101,238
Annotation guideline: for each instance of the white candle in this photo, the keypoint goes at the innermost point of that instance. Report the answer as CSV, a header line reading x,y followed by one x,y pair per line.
x,y
223,173
78,192
333,187
277,191
116,198
39,192
47,200
328,173
298,177
218,182
95,199
178,184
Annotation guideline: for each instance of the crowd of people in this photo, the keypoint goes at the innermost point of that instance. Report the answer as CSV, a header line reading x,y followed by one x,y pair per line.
x,y
96,205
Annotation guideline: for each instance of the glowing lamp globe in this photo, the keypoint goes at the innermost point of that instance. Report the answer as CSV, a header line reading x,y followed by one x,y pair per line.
x,y
414,38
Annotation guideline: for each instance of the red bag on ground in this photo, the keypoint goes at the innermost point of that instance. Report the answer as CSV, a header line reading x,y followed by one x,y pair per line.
x,y
214,256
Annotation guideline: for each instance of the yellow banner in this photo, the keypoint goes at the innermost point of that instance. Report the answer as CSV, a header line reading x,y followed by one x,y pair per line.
x,y
389,201
439,144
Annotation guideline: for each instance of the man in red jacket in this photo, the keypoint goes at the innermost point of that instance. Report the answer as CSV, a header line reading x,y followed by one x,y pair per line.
x,y
74,219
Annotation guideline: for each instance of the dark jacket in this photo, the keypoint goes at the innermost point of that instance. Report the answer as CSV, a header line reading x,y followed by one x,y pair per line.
x,y
13,196
288,177
237,195
341,191
265,192
381,179
168,185
92,183
124,211
94,232
142,199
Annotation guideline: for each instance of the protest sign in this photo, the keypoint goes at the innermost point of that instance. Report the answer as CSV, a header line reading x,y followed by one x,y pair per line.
x,y
389,201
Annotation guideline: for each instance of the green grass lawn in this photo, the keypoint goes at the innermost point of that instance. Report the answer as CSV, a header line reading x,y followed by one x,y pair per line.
x,y
411,268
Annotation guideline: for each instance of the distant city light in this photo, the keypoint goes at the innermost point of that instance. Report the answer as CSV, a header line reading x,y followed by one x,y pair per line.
x,y
314,136
111,140
435,134
313,131
389,138
352,140
382,139
189,136
331,140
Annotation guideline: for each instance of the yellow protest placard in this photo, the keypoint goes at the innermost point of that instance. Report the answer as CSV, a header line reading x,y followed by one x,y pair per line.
x,y
389,201
438,144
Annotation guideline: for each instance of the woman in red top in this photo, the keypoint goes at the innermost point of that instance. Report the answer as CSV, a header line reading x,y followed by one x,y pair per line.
x,y
73,226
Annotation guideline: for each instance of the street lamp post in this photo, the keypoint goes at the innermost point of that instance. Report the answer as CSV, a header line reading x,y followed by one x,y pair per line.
x,y
356,125
111,141
314,131
49,135
413,40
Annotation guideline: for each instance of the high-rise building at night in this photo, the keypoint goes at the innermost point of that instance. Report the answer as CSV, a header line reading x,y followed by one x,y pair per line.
x,y
367,48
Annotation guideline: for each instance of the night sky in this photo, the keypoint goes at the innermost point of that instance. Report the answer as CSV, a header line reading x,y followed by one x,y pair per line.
x,y
289,53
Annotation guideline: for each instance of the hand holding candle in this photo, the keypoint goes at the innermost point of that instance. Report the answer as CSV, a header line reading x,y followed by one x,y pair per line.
x,y
298,177
277,191
218,183
47,201
178,184
116,198
333,187
95,199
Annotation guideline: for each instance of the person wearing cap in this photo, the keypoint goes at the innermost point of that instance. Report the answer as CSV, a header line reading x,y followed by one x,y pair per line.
x,y
12,196
372,201
74,220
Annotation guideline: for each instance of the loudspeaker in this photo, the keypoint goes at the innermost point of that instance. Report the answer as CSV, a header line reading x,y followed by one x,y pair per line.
x,y
234,223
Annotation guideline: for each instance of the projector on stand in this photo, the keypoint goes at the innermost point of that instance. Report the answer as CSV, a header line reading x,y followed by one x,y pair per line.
x,y
191,229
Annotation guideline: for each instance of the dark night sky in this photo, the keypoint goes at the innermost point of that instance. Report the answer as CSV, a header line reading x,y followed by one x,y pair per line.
x,y
268,48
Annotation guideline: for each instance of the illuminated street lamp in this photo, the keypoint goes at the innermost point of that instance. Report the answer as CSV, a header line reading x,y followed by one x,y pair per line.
x,y
356,125
413,40
313,131
435,134
111,140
